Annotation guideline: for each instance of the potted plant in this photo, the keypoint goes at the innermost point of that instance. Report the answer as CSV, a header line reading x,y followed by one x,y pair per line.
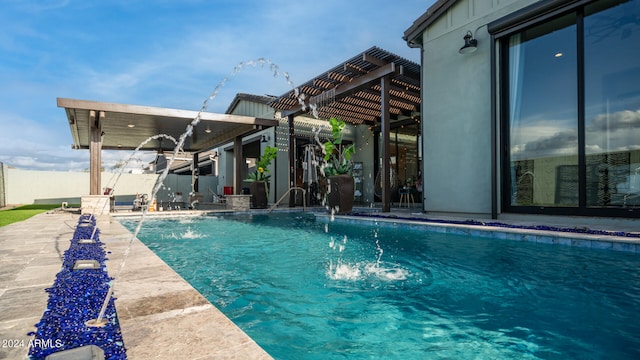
x,y
259,179
337,169
410,182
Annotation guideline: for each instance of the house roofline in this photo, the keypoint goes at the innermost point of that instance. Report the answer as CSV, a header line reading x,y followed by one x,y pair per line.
x,y
413,35
260,99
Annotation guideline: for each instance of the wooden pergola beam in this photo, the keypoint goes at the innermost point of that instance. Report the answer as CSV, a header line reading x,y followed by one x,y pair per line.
x,y
385,84
95,151
237,165
364,81
359,83
373,60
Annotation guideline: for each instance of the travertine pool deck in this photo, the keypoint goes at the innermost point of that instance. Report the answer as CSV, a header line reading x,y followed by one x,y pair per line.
x,y
162,316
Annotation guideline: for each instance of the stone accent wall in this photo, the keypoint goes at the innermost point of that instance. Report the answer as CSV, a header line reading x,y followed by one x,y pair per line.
x,y
238,202
96,204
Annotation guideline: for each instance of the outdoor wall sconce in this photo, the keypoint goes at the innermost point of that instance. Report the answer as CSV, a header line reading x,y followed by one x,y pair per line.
x,y
207,130
470,44
265,138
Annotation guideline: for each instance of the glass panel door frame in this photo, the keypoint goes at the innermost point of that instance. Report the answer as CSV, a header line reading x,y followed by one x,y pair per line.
x,y
503,111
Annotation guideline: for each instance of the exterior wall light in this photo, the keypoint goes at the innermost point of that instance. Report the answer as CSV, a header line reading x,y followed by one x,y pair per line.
x,y
470,44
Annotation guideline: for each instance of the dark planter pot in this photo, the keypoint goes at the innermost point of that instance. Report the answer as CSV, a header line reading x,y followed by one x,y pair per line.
x,y
258,194
340,193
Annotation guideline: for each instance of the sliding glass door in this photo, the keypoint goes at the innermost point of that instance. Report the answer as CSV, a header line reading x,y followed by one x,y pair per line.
x,y
612,103
543,115
571,111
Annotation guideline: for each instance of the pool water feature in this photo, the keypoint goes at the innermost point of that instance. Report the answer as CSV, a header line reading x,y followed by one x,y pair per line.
x,y
308,288
261,62
67,327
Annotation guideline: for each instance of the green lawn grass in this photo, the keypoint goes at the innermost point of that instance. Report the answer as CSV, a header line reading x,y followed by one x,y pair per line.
x,y
23,212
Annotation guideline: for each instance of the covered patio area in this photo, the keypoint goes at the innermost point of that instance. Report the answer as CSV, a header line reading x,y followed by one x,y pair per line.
x,y
98,126
375,89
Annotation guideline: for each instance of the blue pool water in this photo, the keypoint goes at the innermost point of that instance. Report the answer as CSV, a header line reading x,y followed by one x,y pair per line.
x,y
307,288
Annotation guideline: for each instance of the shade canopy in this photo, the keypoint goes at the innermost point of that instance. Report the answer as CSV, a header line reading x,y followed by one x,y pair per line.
x,y
125,127
352,92
375,88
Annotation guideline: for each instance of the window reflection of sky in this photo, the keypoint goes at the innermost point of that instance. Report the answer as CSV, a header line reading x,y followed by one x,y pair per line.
x,y
546,123
612,76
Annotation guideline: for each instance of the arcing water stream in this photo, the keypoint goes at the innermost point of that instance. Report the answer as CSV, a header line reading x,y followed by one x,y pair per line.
x,y
261,62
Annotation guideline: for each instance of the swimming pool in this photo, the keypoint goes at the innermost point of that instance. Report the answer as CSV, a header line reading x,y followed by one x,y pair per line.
x,y
307,288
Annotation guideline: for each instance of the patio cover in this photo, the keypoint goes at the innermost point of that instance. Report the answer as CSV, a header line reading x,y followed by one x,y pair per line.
x,y
375,87
353,91
100,125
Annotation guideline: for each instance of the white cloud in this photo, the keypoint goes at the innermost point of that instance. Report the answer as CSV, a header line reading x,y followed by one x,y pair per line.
x,y
618,131
620,120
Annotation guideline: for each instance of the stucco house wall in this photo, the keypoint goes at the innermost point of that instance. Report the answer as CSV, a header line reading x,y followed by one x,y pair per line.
x,y
456,110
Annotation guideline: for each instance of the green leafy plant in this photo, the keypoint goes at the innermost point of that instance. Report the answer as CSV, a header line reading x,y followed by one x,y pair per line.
x,y
262,166
337,157
410,181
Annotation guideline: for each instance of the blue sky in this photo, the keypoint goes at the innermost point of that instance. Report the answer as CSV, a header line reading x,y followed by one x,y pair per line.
x,y
168,54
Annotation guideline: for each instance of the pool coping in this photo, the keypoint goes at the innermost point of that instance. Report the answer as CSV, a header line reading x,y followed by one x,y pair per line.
x,y
515,233
580,236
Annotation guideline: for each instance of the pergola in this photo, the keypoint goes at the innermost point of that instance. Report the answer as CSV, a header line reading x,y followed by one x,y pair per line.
x,y
375,87
100,125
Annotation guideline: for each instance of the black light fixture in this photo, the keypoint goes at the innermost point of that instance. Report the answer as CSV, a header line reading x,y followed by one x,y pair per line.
x,y
265,138
160,151
470,44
